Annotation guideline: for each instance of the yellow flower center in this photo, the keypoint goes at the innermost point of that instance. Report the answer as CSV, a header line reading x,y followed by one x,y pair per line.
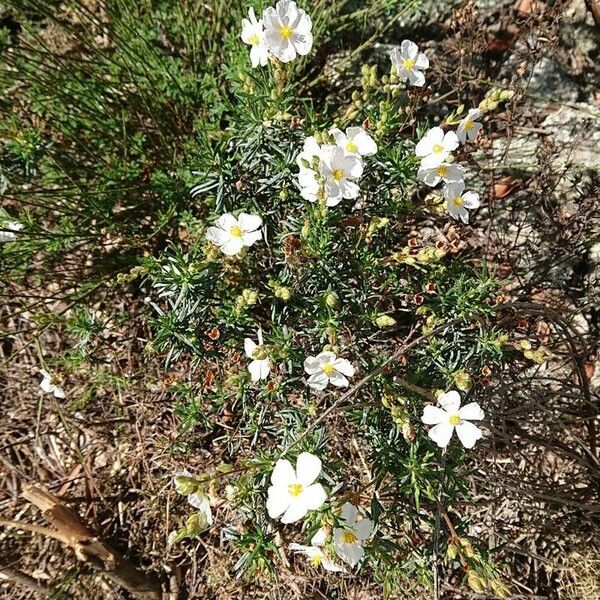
x,y
328,369
338,174
236,231
408,63
286,32
315,560
469,125
351,147
437,149
442,171
454,420
254,39
349,537
295,489
458,201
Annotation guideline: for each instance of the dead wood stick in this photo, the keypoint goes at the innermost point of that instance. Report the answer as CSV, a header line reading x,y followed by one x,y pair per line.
x,y
89,548
27,581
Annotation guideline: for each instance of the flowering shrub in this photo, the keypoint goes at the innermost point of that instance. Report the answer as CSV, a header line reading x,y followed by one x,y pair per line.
x,y
320,262
303,260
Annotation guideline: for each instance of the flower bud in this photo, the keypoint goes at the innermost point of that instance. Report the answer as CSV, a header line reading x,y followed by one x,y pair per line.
x,y
331,300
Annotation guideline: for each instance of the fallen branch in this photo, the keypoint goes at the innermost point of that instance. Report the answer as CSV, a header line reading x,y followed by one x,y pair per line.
x,y
87,547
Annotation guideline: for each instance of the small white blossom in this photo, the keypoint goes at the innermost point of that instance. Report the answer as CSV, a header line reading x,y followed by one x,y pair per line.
x,y
435,147
410,63
459,201
187,485
349,539
49,386
446,172
452,417
315,553
8,230
326,368
469,127
231,234
293,492
339,170
287,30
260,366
253,34
355,141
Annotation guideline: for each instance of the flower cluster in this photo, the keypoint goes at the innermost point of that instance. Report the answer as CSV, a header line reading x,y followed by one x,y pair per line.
x,y
293,493
437,164
283,32
331,165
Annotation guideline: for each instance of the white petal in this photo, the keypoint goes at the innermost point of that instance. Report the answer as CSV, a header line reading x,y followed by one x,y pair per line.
x,y
364,529
329,565
450,141
429,177
278,501
308,468
365,144
471,412
450,401
338,379
454,189
303,42
318,381
252,236
422,62
314,496
349,513
461,132
339,136
441,434
353,166
217,236
409,49
319,538
249,222
432,415
249,347
312,364
226,222
265,368
474,131
343,366
468,433
350,190
58,392
471,200
232,246
424,147
254,368
433,161
297,510
349,553
416,78
283,473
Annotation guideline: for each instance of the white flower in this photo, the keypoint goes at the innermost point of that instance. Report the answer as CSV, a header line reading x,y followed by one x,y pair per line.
x,y
326,368
8,229
315,553
232,234
288,30
338,169
293,491
260,366
450,417
446,172
349,539
185,483
459,202
47,385
469,127
355,141
435,147
409,63
253,34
